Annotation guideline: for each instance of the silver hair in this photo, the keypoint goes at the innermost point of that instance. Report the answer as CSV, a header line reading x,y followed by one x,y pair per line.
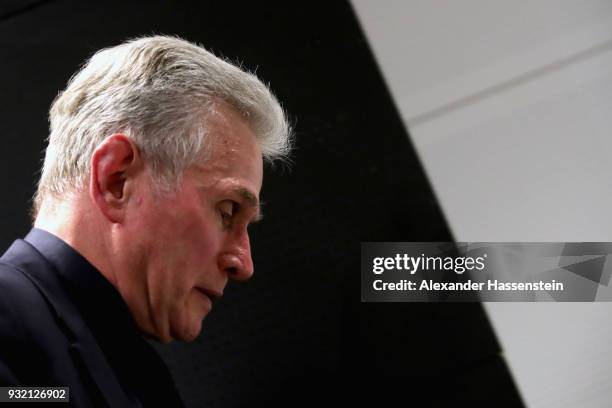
x,y
157,91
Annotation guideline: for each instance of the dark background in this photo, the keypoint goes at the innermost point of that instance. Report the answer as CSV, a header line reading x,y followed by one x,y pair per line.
x,y
297,333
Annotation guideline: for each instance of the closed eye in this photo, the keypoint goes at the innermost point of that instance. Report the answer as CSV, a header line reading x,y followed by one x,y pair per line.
x,y
231,211
227,210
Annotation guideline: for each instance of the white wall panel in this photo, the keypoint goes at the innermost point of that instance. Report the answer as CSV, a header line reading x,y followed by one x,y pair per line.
x,y
528,164
533,164
435,53
509,105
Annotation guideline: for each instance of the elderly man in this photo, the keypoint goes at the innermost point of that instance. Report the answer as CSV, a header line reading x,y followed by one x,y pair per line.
x,y
150,180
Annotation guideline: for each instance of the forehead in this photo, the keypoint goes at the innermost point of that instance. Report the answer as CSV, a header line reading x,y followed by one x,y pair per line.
x,y
235,159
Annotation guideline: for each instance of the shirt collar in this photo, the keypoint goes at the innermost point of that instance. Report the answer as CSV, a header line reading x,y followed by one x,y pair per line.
x,y
99,302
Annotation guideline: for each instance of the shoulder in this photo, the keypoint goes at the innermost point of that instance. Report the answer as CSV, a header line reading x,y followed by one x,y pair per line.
x,y
20,300
25,311
28,329
24,301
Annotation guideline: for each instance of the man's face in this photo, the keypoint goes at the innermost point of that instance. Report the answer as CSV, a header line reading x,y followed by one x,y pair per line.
x,y
183,247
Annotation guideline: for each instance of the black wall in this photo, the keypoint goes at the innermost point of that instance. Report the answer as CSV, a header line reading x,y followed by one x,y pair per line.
x,y
296,334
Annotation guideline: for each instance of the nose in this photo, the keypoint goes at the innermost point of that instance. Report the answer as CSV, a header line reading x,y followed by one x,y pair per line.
x,y
236,260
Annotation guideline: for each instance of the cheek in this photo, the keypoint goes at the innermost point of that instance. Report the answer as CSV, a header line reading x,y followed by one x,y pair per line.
x,y
184,246
190,254
201,241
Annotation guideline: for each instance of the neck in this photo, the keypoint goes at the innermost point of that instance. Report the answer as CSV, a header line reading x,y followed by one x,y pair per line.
x,y
70,221
80,224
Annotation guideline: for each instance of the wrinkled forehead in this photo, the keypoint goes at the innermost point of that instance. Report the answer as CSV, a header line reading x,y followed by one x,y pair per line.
x,y
234,155
228,130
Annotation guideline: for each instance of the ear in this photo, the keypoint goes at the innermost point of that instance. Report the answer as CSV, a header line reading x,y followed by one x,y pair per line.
x,y
114,164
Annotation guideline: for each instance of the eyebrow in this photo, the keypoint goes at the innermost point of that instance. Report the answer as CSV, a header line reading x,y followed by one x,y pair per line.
x,y
252,201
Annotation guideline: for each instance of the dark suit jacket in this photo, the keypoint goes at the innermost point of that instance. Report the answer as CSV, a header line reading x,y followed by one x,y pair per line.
x,y
63,324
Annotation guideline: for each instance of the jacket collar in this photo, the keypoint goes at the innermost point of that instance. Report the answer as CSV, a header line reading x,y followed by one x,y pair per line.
x,y
26,256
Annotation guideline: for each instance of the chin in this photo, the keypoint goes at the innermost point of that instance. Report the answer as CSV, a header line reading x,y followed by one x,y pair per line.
x,y
186,321
188,332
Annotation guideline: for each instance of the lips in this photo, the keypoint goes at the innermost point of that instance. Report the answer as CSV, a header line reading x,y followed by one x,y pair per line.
x,y
212,295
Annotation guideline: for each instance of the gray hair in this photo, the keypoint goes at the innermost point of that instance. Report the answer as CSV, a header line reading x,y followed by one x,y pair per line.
x,y
157,91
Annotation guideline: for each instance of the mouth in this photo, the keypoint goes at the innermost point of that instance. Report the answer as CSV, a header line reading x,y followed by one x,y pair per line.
x,y
211,294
